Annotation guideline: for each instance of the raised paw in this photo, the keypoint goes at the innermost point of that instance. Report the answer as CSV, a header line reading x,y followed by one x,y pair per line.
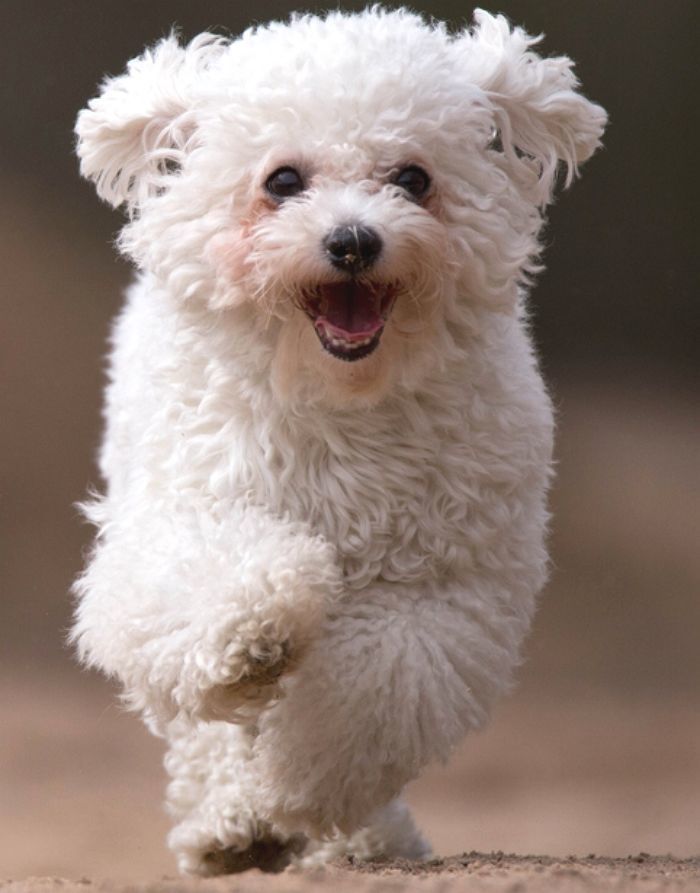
x,y
231,662
266,664
259,669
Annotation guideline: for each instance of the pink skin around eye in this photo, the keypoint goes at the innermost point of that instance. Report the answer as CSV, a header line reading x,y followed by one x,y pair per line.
x,y
229,252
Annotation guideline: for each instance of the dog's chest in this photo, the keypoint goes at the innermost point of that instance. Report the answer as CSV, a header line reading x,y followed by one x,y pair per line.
x,y
396,500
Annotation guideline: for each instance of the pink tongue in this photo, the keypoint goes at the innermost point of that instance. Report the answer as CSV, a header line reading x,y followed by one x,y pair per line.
x,y
350,309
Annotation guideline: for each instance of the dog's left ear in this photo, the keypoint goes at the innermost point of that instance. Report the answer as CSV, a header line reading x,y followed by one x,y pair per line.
x,y
137,129
540,119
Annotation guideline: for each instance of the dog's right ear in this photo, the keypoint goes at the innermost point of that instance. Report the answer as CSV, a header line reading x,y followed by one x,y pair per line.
x,y
137,129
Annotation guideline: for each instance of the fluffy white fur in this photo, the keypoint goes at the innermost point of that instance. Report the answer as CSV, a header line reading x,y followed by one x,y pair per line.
x,y
313,577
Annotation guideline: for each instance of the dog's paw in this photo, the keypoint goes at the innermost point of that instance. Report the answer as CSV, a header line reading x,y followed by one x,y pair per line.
x,y
271,854
254,683
266,662
240,843
228,663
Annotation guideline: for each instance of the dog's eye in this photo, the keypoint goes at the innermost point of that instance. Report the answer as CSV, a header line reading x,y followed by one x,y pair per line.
x,y
284,183
413,180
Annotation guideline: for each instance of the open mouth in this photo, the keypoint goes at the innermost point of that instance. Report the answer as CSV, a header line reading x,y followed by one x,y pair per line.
x,y
349,317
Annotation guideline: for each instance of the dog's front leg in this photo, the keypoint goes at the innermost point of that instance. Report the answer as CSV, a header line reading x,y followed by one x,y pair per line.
x,y
390,686
198,613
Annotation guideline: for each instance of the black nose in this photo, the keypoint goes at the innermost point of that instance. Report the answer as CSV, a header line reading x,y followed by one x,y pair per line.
x,y
352,248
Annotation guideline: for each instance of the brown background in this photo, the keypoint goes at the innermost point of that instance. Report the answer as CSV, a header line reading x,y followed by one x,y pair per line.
x,y
599,749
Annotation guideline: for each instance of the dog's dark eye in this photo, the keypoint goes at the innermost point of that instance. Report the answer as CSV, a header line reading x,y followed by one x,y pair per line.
x,y
413,180
284,183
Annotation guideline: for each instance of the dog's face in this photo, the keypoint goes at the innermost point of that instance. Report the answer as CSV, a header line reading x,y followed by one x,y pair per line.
x,y
349,186
339,245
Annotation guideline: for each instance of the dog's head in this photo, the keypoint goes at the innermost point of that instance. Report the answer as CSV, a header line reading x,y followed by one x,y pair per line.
x,y
351,187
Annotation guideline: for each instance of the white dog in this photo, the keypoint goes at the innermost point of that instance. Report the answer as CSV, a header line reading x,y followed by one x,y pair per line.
x,y
328,444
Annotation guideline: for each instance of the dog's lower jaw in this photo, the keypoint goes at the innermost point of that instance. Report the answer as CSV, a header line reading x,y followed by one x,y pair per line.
x,y
361,384
306,373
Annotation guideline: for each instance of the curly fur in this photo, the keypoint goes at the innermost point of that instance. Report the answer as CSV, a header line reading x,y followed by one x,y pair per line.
x,y
312,576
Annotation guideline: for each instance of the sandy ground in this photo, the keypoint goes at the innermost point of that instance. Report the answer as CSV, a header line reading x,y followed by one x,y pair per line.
x,y
470,872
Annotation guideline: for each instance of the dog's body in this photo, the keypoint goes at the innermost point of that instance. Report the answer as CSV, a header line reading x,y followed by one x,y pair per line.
x,y
328,444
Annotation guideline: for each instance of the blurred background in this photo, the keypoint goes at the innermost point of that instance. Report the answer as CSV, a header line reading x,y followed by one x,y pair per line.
x,y
599,749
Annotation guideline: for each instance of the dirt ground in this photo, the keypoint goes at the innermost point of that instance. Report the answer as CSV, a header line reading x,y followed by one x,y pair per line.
x,y
469,873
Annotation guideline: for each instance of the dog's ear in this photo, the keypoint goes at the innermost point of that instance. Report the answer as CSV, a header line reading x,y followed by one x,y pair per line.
x,y
137,129
540,119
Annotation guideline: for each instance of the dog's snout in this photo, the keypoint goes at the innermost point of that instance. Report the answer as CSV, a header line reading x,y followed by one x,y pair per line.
x,y
352,248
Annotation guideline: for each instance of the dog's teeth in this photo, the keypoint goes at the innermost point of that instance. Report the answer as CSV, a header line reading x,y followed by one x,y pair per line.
x,y
343,344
